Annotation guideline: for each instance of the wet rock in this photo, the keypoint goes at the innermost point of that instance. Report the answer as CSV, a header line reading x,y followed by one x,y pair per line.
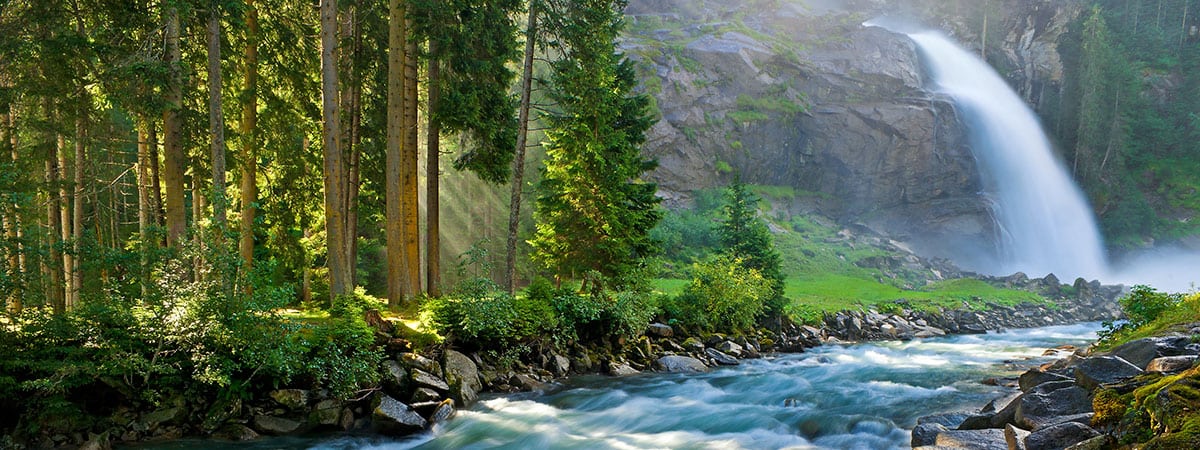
x,y
396,380
393,417
660,330
327,412
730,348
1059,436
620,369
462,376
721,358
425,379
293,399
1172,364
1036,376
97,442
1096,443
1092,372
220,412
526,383
693,344
949,420
421,362
235,432
926,434
444,411
425,394
276,425
991,439
1015,437
164,416
928,332
1037,410
560,364
1140,352
680,364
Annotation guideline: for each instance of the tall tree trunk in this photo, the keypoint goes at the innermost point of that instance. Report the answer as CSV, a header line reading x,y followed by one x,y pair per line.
x,y
411,217
156,200
198,233
249,141
351,97
76,277
173,154
53,268
432,173
12,220
518,173
145,216
65,203
216,119
335,170
394,229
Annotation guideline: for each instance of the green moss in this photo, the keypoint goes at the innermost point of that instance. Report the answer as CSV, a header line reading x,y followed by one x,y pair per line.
x,y
747,116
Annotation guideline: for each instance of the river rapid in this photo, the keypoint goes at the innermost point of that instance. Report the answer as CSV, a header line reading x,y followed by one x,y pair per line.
x,y
854,396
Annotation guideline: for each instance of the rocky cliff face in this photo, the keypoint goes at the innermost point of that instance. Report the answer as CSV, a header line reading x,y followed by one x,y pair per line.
x,y
801,94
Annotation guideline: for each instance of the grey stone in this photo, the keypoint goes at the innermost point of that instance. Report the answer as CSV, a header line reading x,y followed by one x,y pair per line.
x,y
165,416
276,425
1038,410
526,383
393,417
1172,364
1142,351
949,420
444,411
693,344
293,399
620,369
1059,436
990,439
731,348
425,394
926,433
421,362
561,365
220,412
1096,443
425,379
327,412
1036,376
681,364
660,330
721,358
235,432
396,381
1015,437
462,376
1092,372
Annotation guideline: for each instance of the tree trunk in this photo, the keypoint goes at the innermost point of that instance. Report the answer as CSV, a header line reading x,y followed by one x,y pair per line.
x,y
394,229
76,277
156,200
65,203
351,96
432,173
12,221
53,268
216,120
518,173
249,141
198,233
173,154
145,217
335,171
411,217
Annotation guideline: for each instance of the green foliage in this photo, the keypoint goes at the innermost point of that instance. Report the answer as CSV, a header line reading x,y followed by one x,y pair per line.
x,y
593,211
724,295
746,238
1141,306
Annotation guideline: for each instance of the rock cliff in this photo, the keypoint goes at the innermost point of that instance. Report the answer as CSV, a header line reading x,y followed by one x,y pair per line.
x,y
801,94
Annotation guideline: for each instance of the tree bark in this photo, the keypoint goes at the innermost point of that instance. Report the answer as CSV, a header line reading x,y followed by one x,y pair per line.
x,y
198,233
432,173
518,173
12,220
76,277
335,170
65,203
145,216
156,200
53,268
411,217
173,154
351,99
216,120
394,229
249,141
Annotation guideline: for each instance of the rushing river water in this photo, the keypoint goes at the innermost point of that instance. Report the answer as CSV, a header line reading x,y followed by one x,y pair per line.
x,y
862,396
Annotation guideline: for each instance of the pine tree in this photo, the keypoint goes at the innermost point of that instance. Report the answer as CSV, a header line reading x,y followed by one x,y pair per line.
x,y
594,213
746,238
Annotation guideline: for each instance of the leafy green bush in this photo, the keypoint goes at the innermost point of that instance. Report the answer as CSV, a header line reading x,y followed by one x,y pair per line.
x,y
491,320
723,295
1141,306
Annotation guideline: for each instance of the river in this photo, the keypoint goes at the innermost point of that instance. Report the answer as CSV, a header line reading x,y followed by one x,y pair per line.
x,y
860,396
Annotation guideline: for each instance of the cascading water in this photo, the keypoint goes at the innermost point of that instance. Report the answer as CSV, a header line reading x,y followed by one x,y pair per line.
x,y
1046,224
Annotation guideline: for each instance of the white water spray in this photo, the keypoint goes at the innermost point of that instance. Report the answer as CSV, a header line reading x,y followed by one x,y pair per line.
x,y
1046,224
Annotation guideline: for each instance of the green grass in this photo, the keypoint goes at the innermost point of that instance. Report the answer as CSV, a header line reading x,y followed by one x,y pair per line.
x,y
1178,318
669,286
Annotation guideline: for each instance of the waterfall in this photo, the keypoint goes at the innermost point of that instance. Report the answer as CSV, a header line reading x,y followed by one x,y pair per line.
x,y
1046,225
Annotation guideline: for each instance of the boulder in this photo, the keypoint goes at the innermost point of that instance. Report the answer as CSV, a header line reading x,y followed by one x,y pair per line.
x,y
426,379
396,380
1172,364
327,412
991,439
393,417
220,412
680,364
444,411
949,420
425,394
1096,443
560,365
526,383
731,348
620,369
463,377
721,358
164,416
1036,376
693,344
293,399
1059,436
421,362
660,330
1092,372
276,425
926,434
1038,410
1015,437
1142,351
235,432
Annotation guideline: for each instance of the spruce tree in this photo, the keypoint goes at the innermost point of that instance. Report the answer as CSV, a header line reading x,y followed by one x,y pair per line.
x,y
594,213
745,237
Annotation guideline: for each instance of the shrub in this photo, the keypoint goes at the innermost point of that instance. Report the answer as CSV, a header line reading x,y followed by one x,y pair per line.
x,y
1141,306
492,320
723,295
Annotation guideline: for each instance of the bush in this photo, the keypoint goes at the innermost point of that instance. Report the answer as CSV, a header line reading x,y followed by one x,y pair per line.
x,y
723,295
491,320
1141,306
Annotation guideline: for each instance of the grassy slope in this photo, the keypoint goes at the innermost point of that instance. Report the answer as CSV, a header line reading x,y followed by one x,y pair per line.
x,y
823,276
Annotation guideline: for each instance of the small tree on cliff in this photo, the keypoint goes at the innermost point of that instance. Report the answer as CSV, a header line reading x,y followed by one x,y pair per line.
x,y
746,238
